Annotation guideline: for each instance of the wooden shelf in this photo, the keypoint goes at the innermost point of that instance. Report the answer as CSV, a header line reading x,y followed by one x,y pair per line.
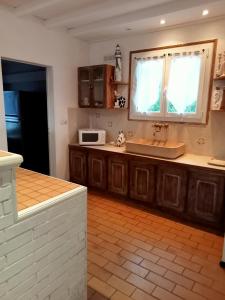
x,y
219,78
119,83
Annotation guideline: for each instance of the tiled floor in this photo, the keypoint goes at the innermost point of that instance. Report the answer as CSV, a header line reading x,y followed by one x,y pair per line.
x,y
133,254
33,188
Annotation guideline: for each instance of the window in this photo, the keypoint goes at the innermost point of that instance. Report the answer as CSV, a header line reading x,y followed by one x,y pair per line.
x,y
171,84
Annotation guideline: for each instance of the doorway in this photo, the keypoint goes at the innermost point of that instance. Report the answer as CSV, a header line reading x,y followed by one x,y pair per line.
x,y
26,113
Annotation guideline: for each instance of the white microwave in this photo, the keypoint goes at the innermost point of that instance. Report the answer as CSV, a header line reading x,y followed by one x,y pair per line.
x,y
91,137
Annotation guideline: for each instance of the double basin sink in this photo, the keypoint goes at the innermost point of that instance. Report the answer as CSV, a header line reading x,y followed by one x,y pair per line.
x,y
162,149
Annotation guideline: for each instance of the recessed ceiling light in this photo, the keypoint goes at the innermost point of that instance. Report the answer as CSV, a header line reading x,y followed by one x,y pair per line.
x,y
205,12
162,22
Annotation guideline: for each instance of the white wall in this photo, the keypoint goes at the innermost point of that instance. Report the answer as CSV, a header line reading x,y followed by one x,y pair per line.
x,y
29,41
213,133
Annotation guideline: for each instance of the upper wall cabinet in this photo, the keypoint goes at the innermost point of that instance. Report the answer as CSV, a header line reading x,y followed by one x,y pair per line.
x,y
94,86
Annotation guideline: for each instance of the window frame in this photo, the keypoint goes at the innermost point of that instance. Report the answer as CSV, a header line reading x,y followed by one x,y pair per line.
x,y
207,80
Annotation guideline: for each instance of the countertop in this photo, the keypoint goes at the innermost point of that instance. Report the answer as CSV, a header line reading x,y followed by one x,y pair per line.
x,y
7,158
33,188
186,159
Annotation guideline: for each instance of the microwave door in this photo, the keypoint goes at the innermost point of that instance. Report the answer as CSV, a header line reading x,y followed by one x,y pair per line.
x,y
90,137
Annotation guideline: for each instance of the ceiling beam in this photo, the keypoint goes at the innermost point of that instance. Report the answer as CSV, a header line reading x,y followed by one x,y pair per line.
x,y
33,6
140,15
99,11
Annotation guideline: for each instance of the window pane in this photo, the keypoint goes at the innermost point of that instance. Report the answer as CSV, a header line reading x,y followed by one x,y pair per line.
x,y
183,85
147,85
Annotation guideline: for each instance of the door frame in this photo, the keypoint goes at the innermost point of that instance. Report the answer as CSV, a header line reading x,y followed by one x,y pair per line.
x,y
50,112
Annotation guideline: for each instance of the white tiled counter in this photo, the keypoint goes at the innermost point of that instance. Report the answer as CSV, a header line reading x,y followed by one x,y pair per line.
x,y
42,247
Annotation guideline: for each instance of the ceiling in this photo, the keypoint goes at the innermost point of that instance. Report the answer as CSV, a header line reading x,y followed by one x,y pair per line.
x,y
95,20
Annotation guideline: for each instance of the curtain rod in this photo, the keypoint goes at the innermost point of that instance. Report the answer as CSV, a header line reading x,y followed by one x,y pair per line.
x,y
171,54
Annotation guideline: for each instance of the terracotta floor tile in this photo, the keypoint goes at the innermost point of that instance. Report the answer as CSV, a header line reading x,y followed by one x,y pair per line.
x,y
89,276
160,281
163,254
219,286
208,293
131,256
140,295
176,268
173,243
106,229
179,279
153,267
90,292
180,233
164,295
121,285
117,270
94,239
180,253
139,236
110,247
170,265
197,277
147,255
119,296
122,236
141,244
134,268
115,258
108,238
187,294
141,283
98,272
188,264
128,246
97,259
101,287
214,273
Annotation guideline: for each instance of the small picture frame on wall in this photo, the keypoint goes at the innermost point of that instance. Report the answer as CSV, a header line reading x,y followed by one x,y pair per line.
x,y
218,99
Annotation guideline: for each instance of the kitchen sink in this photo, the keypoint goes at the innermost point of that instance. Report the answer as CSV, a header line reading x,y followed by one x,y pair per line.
x,y
162,149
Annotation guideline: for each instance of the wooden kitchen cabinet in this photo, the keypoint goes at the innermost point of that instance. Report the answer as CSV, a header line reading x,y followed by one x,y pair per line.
x,y
171,188
97,170
190,192
118,174
94,86
78,166
142,181
206,198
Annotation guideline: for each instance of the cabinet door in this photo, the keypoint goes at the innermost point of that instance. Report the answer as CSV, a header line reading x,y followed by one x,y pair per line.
x,y
117,175
206,197
142,181
98,85
78,166
171,188
97,171
84,87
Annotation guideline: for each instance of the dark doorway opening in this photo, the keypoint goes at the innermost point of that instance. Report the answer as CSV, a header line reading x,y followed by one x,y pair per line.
x,y
25,100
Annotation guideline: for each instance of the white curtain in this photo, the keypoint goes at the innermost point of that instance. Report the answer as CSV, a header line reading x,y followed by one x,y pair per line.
x,y
183,84
147,83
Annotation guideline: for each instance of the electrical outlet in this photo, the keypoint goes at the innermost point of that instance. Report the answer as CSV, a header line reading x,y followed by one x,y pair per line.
x,y
110,124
